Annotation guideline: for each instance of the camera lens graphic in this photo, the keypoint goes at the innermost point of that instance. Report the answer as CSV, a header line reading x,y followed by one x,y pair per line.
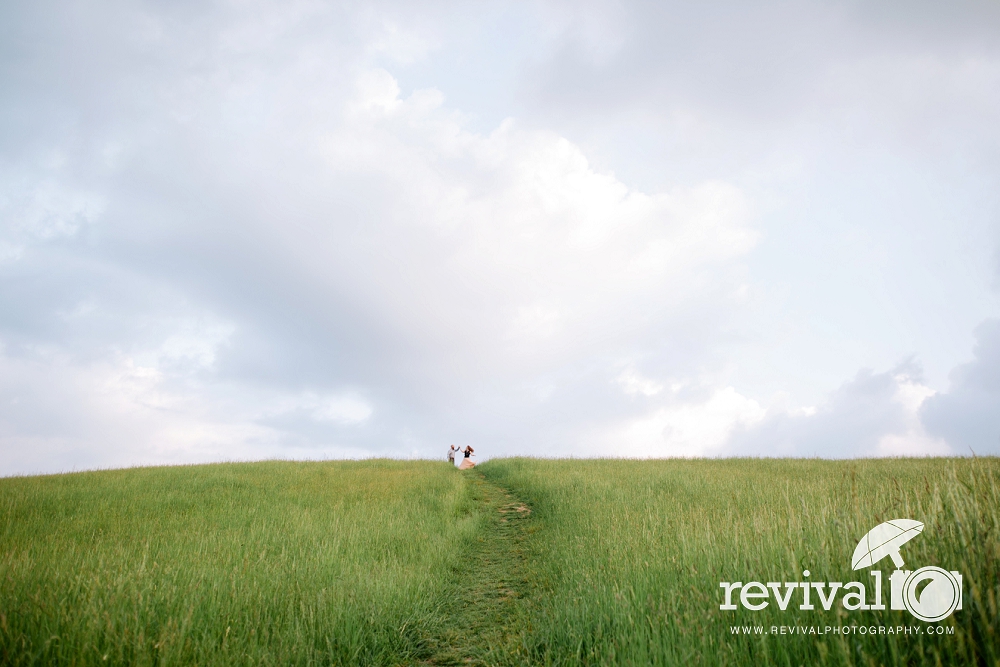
x,y
937,599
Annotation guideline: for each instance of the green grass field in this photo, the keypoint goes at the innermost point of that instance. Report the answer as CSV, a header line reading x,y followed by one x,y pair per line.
x,y
518,562
630,555
266,563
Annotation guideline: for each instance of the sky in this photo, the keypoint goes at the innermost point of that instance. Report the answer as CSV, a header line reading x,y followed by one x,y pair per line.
x,y
310,230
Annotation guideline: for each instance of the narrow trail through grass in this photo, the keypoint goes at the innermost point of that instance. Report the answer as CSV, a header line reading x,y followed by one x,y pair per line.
x,y
490,594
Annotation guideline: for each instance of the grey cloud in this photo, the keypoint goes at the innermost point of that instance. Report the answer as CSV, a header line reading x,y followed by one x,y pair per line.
x,y
968,414
751,91
213,246
247,269
760,60
851,422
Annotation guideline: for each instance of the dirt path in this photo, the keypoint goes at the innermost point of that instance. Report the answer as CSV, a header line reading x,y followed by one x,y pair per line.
x,y
490,593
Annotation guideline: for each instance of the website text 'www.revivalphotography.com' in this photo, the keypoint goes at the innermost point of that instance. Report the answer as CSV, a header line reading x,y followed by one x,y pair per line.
x,y
790,630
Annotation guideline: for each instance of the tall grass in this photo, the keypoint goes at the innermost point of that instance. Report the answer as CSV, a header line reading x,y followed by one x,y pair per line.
x,y
273,563
628,557
358,562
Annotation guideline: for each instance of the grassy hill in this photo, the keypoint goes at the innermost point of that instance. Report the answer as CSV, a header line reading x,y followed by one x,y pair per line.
x,y
630,555
265,563
518,562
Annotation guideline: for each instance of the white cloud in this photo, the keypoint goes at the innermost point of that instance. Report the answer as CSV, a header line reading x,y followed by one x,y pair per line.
x,y
377,94
511,238
194,345
275,233
501,256
913,440
344,408
727,423
688,428
632,383
41,211
60,416
872,415
402,44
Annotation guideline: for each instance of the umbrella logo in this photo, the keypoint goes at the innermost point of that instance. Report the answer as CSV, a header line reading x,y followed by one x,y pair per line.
x,y
884,540
930,602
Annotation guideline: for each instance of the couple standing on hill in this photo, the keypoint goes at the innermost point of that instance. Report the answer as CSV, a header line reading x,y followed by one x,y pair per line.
x,y
466,462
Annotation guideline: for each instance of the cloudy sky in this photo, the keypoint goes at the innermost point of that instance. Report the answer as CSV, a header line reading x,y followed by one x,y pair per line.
x,y
244,230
